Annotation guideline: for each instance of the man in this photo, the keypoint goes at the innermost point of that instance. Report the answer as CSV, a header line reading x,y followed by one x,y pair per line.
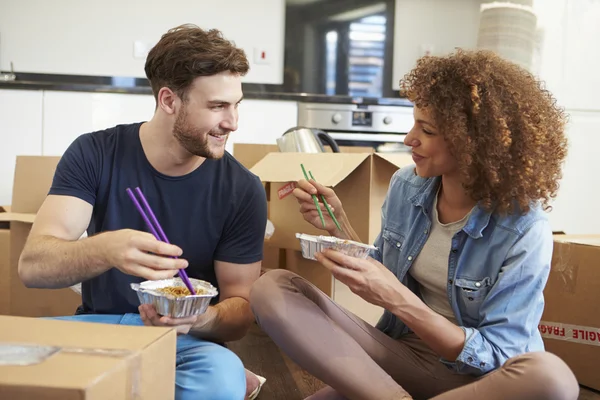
x,y
211,208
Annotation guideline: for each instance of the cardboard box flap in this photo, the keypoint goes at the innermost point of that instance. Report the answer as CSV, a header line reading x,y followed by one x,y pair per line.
x,y
400,160
328,169
33,178
17,217
250,154
586,240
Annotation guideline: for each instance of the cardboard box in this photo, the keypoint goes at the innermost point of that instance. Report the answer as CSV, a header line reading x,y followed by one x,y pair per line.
x,y
249,154
360,180
4,261
91,361
345,172
571,322
379,169
33,178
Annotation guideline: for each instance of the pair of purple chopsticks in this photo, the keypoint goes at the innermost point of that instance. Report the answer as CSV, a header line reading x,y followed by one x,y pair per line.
x,y
160,235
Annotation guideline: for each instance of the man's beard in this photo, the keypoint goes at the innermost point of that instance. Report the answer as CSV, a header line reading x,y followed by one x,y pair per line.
x,y
193,139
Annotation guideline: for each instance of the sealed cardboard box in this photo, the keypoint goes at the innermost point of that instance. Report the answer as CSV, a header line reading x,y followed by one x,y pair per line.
x,y
360,180
50,359
33,177
571,323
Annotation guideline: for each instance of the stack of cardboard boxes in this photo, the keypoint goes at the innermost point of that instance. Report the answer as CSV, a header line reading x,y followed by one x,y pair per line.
x,y
33,177
50,359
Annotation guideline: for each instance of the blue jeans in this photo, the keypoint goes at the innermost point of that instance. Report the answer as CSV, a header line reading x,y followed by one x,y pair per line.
x,y
204,370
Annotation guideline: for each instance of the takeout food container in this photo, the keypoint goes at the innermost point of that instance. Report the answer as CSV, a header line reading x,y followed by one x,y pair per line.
x,y
173,306
311,244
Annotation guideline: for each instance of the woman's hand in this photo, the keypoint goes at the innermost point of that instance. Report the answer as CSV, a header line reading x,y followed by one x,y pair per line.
x,y
303,193
376,284
368,278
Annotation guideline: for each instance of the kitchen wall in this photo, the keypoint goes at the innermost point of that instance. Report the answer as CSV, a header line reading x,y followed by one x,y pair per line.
x,y
567,60
568,63
97,37
45,122
580,31
434,26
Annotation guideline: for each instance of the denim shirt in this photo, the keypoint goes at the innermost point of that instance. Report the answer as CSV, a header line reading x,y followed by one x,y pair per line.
x,y
497,270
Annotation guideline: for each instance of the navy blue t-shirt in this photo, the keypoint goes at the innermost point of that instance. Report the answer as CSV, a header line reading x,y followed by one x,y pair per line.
x,y
217,212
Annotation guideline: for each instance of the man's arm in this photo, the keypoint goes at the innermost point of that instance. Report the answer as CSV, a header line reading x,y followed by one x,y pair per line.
x,y
238,259
53,257
230,319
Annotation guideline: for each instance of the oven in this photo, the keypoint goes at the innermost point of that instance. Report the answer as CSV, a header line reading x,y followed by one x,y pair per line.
x,y
382,127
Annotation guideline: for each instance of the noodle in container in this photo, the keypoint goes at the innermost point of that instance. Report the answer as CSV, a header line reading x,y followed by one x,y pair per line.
x,y
171,297
311,244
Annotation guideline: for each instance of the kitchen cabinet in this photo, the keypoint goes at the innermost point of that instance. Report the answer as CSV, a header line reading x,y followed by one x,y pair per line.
x,y
108,38
46,122
20,133
70,114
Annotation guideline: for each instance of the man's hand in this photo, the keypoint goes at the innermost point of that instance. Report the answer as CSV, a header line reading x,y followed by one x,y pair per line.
x,y
183,325
140,254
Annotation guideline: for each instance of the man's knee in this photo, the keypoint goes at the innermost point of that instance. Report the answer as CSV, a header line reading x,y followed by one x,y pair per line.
x,y
228,377
220,377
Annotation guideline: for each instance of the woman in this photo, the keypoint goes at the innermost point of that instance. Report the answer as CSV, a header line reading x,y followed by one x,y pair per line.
x,y
462,258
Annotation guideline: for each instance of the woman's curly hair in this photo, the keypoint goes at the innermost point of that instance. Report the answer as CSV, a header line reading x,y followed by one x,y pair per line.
x,y
503,127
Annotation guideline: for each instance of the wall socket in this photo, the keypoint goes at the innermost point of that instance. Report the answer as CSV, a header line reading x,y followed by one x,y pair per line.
x,y
262,56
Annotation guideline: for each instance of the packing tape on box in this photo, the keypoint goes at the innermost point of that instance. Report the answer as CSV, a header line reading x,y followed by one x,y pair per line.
x,y
566,266
18,354
570,333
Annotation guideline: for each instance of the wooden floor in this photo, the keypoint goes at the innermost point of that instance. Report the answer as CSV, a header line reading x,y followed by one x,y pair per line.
x,y
285,380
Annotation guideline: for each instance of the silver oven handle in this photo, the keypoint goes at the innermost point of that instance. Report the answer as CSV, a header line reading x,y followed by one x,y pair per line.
x,y
369,137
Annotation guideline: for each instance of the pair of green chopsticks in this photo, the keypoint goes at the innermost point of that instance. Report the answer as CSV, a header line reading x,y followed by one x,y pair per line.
x,y
316,201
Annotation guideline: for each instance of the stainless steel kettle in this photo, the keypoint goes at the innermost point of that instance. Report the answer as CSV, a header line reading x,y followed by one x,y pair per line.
x,y
305,140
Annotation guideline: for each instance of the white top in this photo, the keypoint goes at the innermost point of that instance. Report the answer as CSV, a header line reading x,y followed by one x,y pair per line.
x,y
430,268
